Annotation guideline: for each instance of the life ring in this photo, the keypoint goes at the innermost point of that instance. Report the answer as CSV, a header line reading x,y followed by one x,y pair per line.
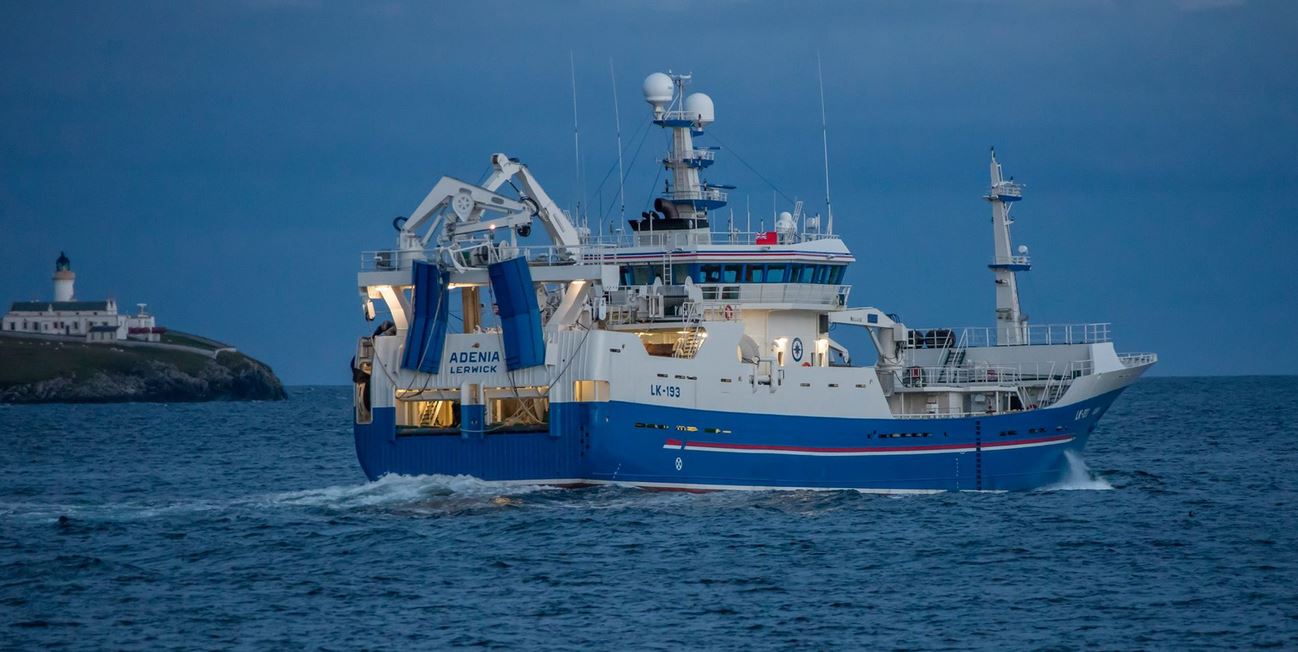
x,y
729,312
916,374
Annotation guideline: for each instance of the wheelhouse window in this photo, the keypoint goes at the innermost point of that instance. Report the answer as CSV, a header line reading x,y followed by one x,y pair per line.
x,y
708,273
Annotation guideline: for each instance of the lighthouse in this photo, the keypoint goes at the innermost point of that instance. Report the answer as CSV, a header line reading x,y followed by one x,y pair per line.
x,y
64,278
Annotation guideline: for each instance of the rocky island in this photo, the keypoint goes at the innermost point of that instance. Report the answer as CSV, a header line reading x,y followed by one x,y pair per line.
x,y
73,351
179,368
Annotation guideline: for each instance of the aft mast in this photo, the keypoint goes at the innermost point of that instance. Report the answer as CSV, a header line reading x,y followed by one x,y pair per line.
x,y
1011,323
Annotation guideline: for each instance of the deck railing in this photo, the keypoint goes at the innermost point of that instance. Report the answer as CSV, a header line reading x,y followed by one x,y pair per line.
x,y
476,256
992,375
595,250
1035,334
828,295
1137,359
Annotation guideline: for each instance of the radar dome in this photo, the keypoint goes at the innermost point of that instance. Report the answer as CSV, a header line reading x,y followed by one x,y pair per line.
x,y
1023,250
699,106
657,89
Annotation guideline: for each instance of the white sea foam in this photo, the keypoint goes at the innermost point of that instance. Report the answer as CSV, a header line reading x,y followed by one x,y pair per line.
x,y
1079,477
399,489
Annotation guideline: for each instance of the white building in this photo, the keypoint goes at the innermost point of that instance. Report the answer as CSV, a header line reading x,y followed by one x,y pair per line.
x,y
65,315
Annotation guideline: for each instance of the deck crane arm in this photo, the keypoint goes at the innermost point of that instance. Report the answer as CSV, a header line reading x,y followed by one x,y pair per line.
x,y
472,209
561,230
888,334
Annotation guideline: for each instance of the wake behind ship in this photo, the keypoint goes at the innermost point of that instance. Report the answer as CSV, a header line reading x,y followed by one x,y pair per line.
x,y
677,355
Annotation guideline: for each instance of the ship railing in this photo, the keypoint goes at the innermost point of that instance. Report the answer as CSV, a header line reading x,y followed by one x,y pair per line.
x,y
1011,260
826,295
698,311
1137,359
1007,189
630,239
697,195
483,253
696,155
1034,335
1024,373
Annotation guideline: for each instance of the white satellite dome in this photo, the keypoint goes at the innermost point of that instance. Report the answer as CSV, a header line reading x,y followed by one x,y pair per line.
x,y
1023,250
698,105
658,89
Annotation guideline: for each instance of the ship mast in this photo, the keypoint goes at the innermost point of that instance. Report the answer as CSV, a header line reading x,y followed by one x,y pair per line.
x,y
1011,323
687,198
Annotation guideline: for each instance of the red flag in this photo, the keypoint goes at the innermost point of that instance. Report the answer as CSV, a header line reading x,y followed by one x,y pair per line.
x,y
767,238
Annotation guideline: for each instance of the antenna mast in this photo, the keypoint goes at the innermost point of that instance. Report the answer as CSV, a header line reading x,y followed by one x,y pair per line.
x,y
621,174
824,138
577,190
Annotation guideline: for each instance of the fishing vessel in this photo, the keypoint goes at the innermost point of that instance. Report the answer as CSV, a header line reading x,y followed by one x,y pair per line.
x,y
679,353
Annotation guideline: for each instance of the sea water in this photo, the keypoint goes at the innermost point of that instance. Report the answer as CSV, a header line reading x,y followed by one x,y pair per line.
x,y
250,525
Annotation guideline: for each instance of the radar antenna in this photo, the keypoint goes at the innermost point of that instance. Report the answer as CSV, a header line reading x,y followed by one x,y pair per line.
x,y
824,138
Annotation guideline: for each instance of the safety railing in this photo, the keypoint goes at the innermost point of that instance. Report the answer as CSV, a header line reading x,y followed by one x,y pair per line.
x,y
827,295
483,253
1026,373
696,155
1001,261
628,239
1007,189
1036,335
594,250
697,195
1137,359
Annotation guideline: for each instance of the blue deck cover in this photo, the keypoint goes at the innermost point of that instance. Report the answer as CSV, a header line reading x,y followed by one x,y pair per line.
x,y
427,335
520,320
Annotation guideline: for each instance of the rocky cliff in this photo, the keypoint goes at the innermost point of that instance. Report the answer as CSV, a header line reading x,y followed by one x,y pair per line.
x,y
65,371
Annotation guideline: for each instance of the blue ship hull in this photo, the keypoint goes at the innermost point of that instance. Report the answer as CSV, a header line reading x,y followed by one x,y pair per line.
x,y
689,449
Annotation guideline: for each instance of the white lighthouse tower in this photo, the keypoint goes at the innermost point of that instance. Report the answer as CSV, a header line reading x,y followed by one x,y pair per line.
x,y
64,279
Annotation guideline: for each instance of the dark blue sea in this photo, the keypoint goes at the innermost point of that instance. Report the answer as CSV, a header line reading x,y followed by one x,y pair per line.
x,y
250,525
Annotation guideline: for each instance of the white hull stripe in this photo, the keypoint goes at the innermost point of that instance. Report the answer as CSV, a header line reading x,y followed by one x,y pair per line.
x,y
709,447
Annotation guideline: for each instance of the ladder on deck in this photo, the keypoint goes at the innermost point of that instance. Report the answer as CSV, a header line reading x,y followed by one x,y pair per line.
x,y
689,343
952,360
1055,387
428,415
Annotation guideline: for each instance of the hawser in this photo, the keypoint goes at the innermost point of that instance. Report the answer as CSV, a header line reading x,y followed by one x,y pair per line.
x,y
670,354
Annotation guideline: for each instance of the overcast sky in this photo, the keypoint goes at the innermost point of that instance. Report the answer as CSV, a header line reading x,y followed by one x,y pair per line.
x,y
227,162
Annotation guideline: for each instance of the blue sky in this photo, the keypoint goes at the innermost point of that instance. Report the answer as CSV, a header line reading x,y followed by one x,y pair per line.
x,y
227,162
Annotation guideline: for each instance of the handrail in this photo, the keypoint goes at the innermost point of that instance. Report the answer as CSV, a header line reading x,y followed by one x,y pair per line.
x,y
1035,334
698,195
831,295
1137,359
595,249
991,375
1011,260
